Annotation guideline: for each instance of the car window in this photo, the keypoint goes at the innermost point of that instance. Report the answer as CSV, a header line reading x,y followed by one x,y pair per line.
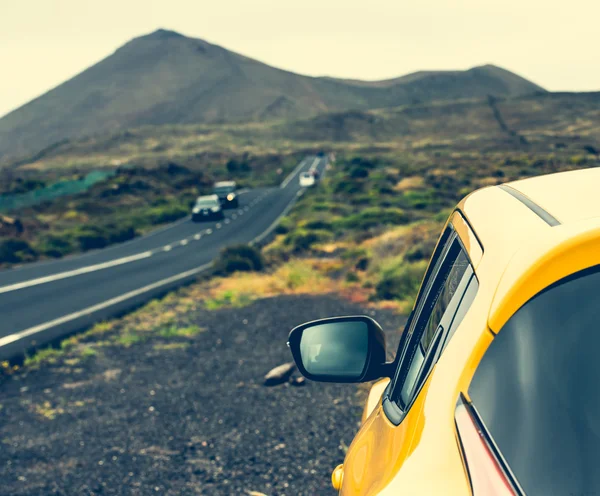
x,y
435,319
443,245
536,389
465,303
447,291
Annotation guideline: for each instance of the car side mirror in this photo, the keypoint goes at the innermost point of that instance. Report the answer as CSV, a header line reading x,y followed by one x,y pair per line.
x,y
340,349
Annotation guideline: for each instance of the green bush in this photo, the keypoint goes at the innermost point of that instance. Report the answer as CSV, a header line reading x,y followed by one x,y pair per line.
x,y
372,217
119,233
359,173
14,250
285,226
241,258
301,241
55,246
400,282
165,213
363,162
318,224
90,237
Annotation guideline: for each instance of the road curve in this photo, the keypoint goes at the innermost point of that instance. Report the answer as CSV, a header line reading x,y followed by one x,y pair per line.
x,y
42,302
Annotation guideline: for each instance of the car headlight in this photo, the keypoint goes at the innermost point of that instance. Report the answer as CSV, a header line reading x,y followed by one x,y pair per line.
x,y
196,210
215,209
230,196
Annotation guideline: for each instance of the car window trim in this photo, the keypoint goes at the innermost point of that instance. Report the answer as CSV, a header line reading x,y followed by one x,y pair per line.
x,y
447,319
441,339
400,375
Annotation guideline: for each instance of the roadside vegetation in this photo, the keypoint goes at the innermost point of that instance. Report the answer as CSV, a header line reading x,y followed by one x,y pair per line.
x,y
365,232
128,202
374,220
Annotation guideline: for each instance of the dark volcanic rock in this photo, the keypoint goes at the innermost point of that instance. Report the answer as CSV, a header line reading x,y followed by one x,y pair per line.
x,y
280,374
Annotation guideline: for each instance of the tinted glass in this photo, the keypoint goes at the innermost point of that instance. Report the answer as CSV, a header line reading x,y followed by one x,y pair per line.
x,y
404,347
536,389
206,203
222,190
335,349
465,304
445,295
444,289
435,259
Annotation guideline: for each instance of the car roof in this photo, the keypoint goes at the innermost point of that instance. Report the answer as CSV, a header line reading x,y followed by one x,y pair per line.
x,y
568,196
545,223
208,198
220,184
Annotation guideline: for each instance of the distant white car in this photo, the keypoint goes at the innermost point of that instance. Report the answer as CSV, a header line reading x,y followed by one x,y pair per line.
x,y
307,179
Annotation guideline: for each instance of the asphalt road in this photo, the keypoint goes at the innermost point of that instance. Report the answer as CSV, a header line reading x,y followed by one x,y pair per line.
x,y
42,302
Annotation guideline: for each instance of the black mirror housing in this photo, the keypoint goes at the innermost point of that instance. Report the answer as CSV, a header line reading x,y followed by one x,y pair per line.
x,y
340,349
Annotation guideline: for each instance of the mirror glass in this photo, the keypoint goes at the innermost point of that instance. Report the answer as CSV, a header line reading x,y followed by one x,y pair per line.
x,y
335,349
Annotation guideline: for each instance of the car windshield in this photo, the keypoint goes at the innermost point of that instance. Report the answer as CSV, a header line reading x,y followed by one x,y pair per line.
x,y
206,203
536,389
306,175
222,190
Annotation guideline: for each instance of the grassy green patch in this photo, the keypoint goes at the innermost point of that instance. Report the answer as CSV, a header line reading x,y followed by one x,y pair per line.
x,y
127,339
47,355
228,299
171,346
186,332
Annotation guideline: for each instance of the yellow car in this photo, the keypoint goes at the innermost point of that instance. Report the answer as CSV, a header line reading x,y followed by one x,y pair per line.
x,y
495,388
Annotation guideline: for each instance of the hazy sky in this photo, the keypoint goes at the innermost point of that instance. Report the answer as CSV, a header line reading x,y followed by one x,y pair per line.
x,y
555,44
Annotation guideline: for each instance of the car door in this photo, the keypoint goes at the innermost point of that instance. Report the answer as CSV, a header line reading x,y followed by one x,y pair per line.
x,y
384,441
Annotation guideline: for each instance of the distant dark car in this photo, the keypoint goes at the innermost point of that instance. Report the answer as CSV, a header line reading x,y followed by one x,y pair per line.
x,y
315,174
321,154
228,197
207,208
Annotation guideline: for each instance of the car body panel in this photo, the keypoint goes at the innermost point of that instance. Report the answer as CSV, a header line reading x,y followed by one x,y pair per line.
x,y
562,251
226,192
568,196
306,179
515,254
203,208
374,397
469,239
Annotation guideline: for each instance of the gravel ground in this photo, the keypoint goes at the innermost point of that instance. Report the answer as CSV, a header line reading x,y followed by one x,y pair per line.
x,y
194,420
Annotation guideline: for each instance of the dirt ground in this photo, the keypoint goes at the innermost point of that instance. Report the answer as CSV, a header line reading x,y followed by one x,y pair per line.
x,y
183,416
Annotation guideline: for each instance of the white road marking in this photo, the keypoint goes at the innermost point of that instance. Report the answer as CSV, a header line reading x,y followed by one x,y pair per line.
x,y
218,226
118,299
227,221
89,310
76,272
264,234
146,254
314,164
183,242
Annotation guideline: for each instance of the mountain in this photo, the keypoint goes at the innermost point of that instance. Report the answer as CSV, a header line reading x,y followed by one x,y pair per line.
x,y
167,78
